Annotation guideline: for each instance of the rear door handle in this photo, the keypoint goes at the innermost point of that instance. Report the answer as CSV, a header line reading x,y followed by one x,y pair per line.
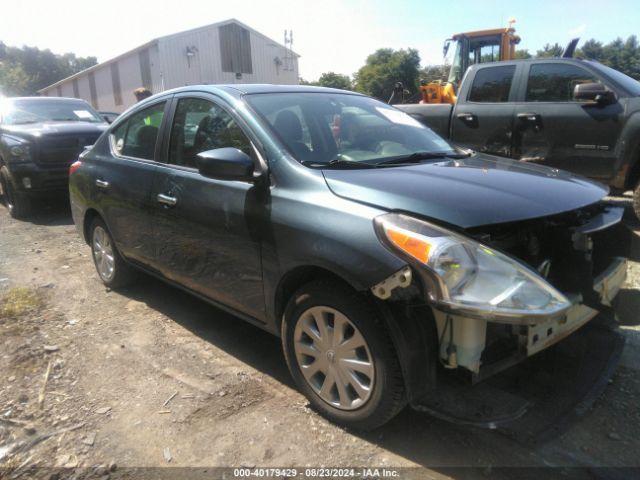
x,y
102,183
529,117
166,200
466,117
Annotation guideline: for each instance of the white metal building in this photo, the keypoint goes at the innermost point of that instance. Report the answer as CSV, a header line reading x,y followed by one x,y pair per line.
x,y
224,52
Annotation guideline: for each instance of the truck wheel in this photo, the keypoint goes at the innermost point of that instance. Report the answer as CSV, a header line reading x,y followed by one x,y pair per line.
x,y
18,203
111,268
341,357
636,200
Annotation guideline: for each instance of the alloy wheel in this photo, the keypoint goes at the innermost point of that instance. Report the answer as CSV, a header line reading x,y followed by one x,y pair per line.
x,y
334,358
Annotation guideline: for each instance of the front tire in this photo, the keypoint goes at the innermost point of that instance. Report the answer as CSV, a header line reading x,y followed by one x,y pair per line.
x,y
18,203
636,201
111,268
341,357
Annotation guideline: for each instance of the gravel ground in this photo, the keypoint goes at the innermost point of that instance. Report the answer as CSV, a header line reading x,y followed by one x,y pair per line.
x,y
98,381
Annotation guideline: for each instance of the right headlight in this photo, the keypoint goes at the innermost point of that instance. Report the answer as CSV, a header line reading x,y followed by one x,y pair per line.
x,y
469,277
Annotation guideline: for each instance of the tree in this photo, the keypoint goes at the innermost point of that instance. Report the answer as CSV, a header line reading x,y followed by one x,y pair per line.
x,y
623,55
384,68
334,80
591,50
23,71
433,73
523,53
549,50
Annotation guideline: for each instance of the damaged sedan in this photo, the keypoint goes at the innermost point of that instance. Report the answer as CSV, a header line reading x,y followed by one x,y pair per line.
x,y
395,267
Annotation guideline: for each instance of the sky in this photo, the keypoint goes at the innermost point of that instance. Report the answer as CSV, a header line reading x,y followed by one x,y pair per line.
x,y
330,35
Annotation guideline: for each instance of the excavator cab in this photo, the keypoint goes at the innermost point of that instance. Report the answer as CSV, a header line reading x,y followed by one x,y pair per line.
x,y
470,48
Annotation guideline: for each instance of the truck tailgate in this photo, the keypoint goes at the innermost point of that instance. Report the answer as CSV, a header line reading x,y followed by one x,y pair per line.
x,y
435,116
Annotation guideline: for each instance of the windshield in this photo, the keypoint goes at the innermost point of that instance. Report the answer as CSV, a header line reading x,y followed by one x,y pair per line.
x,y
19,112
455,73
626,82
319,128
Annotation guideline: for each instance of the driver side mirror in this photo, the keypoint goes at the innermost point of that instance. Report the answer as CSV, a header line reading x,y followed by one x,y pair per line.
x,y
593,92
225,164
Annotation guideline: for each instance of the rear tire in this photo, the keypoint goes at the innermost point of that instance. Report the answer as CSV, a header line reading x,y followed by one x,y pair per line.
x,y
18,203
360,387
111,268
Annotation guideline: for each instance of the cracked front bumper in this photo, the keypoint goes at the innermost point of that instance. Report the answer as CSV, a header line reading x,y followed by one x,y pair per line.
x,y
607,285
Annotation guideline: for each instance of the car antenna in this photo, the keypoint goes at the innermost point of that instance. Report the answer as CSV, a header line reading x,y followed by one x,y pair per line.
x,y
570,48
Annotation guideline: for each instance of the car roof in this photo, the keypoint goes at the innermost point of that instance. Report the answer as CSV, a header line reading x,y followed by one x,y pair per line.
x,y
41,99
579,61
238,90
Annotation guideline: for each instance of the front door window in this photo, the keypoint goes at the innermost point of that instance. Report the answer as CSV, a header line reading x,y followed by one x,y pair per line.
x,y
200,125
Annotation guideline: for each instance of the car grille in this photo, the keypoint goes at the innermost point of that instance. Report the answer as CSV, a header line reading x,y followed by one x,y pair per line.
x,y
63,150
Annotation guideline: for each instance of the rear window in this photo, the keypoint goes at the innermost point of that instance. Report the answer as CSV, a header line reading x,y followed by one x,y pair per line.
x,y
492,85
136,137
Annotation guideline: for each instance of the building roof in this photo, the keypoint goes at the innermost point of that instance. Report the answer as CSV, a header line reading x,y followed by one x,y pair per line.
x,y
153,42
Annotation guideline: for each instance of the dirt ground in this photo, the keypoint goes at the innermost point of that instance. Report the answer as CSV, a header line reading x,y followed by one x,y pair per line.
x,y
98,381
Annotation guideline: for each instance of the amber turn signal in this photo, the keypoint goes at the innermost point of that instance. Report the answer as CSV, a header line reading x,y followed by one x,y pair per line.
x,y
409,243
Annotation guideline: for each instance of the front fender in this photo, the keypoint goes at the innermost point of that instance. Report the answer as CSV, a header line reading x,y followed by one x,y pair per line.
x,y
628,152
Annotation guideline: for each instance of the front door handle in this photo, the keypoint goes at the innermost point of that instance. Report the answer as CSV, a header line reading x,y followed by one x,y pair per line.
x,y
466,117
166,200
102,183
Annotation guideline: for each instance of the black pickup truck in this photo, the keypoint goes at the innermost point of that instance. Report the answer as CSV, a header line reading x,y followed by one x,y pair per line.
x,y
570,114
39,138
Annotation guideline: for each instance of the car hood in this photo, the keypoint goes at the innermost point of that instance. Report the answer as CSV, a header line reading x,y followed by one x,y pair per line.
x,y
475,191
35,131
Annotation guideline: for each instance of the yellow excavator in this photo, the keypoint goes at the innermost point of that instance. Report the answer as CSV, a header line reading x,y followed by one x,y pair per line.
x,y
482,46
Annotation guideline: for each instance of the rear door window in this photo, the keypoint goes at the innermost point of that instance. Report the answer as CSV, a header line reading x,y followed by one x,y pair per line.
x,y
492,84
138,135
555,82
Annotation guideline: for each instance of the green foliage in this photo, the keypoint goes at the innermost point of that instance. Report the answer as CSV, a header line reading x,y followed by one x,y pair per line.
x,y
549,50
524,53
433,73
623,55
334,80
384,68
23,71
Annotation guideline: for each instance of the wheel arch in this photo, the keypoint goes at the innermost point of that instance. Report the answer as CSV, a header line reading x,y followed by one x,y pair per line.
x,y
412,328
633,177
627,171
89,216
294,279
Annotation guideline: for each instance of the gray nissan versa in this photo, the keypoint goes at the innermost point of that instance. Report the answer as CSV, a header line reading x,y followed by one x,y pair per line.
x,y
395,267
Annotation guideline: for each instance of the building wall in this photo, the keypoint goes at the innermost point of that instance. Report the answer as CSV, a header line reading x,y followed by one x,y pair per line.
x,y
205,67
170,67
130,79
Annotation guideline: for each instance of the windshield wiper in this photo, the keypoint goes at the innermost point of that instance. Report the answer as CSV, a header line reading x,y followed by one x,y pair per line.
x,y
418,157
338,163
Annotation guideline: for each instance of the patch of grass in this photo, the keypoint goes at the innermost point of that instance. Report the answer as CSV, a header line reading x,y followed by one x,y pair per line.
x,y
18,301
